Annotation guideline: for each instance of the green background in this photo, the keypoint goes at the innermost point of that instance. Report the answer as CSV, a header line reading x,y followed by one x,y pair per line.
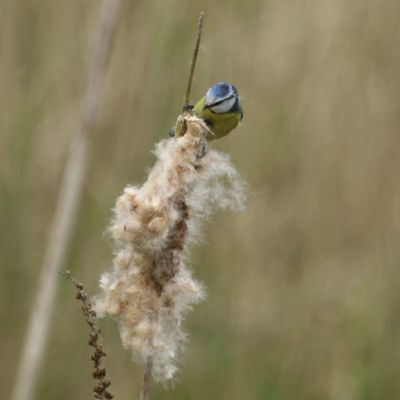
x,y
304,285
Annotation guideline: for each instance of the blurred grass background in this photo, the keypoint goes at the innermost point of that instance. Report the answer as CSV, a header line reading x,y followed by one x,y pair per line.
x,y
304,286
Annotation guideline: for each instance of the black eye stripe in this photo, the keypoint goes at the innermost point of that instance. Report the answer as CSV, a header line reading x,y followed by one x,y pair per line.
x,y
217,103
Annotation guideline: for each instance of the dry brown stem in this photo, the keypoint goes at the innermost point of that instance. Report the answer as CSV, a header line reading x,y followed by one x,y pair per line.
x,y
99,372
186,105
145,392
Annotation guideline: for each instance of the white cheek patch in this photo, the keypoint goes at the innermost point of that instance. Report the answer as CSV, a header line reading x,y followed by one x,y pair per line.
x,y
224,107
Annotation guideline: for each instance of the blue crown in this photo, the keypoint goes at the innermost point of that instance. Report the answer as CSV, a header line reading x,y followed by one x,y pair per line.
x,y
220,91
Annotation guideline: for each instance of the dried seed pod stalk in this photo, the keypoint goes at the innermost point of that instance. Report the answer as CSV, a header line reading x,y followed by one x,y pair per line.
x,y
99,372
150,289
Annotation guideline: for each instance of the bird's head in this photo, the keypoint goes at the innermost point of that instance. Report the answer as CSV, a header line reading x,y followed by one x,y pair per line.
x,y
222,98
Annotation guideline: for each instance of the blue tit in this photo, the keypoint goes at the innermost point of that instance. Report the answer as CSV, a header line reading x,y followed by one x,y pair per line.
x,y
220,109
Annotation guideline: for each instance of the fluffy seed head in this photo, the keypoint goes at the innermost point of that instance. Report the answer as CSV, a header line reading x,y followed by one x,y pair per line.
x,y
149,289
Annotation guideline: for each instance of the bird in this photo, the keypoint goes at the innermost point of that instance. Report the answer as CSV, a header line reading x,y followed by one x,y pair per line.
x,y
220,109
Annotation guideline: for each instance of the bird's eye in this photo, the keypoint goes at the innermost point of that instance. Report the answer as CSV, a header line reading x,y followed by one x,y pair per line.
x,y
224,106
218,93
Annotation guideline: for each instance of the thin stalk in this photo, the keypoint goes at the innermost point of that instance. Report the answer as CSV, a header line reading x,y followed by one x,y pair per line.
x,y
99,372
186,104
66,209
145,392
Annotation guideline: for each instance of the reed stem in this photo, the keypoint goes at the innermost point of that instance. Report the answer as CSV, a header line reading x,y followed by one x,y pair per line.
x,y
145,392
66,210
186,105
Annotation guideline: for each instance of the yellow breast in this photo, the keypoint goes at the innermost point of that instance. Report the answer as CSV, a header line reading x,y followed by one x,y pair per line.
x,y
220,124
